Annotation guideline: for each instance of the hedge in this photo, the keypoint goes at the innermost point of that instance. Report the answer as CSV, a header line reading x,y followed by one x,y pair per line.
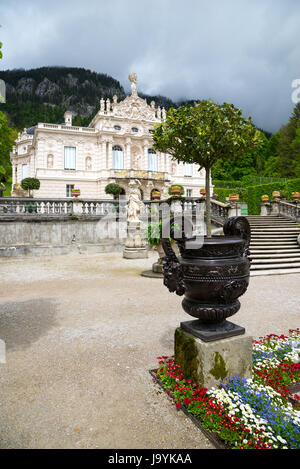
x,y
222,193
253,193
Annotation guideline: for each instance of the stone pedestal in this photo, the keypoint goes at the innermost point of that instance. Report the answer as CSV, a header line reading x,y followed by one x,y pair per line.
x,y
135,246
208,362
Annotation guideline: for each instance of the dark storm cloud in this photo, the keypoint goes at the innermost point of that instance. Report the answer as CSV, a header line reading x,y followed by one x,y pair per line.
x,y
245,52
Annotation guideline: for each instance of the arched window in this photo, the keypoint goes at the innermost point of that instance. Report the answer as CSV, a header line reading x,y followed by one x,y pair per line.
x,y
118,160
152,160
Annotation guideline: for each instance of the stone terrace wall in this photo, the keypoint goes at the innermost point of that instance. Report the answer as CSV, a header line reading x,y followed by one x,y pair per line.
x,y
55,235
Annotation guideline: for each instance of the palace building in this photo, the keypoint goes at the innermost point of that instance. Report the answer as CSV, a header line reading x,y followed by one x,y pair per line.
x,y
115,147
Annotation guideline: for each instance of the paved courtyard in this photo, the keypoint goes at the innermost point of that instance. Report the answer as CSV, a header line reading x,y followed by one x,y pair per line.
x,y
81,334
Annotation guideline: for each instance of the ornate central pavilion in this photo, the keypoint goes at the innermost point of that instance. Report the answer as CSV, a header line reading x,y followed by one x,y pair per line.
x,y
115,147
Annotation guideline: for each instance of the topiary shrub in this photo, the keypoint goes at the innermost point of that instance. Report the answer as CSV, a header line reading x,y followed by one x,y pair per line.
x,y
30,184
113,189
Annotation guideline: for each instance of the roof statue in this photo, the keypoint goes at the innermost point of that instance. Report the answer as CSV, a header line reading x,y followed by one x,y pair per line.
x,y
133,79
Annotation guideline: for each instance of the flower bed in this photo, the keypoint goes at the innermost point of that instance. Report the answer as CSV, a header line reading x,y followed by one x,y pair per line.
x,y
246,413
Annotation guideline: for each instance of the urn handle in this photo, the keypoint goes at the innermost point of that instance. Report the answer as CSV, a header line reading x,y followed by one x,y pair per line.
x,y
172,269
239,226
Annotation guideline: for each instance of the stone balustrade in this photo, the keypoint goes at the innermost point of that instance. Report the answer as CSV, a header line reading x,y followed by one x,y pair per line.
x,y
67,128
46,207
35,207
282,208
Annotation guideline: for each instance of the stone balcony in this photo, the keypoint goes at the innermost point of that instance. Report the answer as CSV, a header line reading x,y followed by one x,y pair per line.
x,y
139,174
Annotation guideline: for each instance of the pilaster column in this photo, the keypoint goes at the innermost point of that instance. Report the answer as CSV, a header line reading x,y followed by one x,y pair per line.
x,y
110,155
13,174
104,160
19,174
128,154
145,162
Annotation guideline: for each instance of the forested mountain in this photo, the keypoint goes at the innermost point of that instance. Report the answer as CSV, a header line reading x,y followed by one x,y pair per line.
x,y
43,94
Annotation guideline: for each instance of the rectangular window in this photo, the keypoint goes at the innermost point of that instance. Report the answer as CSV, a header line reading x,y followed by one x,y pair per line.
x,y
189,192
118,161
152,162
70,158
188,169
24,171
69,188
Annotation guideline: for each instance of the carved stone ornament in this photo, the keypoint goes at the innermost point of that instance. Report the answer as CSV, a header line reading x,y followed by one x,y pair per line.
x,y
134,107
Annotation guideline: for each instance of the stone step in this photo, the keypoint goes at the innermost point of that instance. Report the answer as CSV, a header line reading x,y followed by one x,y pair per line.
x,y
273,240
274,227
271,255
274,235
283,251
255,273
280,265
276,230
274,260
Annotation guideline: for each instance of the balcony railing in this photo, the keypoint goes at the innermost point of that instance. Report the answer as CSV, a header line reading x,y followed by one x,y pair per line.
x,y
139,174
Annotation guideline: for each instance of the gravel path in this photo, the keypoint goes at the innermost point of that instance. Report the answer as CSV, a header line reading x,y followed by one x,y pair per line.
x,y
81,334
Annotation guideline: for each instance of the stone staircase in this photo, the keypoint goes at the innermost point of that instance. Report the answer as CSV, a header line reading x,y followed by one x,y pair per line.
x,y
274,248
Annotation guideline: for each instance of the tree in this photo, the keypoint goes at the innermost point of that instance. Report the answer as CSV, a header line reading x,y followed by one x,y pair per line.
x,y
7,139
30,184
113,189
288,146
203,134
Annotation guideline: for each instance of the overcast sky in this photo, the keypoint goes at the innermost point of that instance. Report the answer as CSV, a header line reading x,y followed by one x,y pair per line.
x,y
242,51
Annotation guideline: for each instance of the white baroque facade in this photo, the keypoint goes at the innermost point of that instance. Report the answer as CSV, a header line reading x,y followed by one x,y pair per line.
x,y
115,147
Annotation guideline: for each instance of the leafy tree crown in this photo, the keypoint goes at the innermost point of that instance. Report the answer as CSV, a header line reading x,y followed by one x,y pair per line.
x,y
205,133
30,184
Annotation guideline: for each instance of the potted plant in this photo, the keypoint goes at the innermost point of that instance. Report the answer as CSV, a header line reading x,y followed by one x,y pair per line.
x,y
113,189
75,193
176,190
30,184
284,195
203,191
296,195
276,194
154,238
203,134
234,197
265,198
155,195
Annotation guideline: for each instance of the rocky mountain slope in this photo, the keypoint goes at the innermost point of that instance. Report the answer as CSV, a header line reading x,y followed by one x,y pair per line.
x,y
45,93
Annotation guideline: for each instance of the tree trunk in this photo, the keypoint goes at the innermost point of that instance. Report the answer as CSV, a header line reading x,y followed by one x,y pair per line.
x,y
207,203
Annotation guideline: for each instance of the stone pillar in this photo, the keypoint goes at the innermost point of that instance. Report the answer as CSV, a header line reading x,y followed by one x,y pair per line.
x,y
145,162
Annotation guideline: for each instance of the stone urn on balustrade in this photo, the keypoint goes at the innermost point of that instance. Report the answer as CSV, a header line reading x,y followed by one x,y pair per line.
x,y
211,273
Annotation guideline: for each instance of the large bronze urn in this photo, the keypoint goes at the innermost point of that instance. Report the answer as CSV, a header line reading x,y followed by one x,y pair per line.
x,y
211,276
